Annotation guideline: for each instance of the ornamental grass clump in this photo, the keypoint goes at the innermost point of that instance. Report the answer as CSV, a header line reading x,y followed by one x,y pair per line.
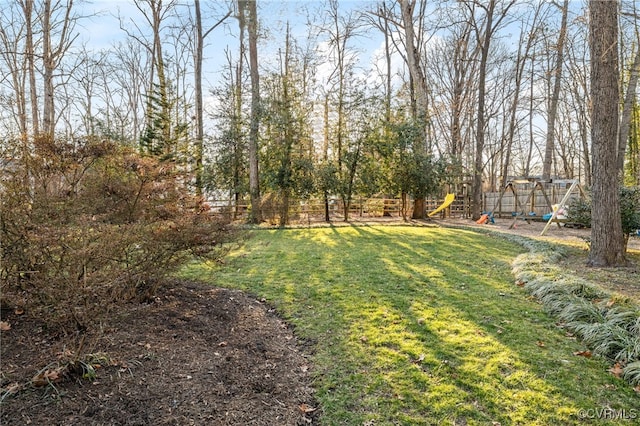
x,y
631,373
609,329
609,340
582,311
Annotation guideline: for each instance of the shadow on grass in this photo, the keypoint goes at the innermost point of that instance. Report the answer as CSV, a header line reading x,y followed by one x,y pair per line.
x,y
420,326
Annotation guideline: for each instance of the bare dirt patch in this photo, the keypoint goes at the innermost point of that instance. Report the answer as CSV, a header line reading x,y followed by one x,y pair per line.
x,y
195,355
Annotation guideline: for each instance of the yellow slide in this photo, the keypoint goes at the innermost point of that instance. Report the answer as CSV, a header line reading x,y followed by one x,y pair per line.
x,y
447,202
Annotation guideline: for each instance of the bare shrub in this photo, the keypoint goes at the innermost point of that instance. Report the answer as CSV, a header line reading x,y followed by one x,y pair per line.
x,y
87,225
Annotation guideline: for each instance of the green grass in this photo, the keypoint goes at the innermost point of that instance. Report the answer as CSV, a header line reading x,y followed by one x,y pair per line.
x,y
420,326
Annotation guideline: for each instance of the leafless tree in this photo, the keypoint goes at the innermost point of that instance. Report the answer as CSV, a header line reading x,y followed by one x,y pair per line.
x,y
58,22
578,91
128,66
13,61
155,14
199,40
485,27
528,34
30,56
555,97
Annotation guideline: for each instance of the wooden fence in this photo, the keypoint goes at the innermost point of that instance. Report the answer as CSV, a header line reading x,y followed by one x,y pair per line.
x,y
314,209
532,200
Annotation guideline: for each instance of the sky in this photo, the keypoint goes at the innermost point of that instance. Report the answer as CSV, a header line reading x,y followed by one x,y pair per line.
x,y
102,30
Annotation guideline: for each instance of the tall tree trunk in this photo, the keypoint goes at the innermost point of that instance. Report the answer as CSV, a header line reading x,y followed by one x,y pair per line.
x,y
634,149
254,177
387,54
553,108
27,8
532,84
239,153
607,239
388,88
47,77
512,119
287,133
419,87
197,76
460,69
165,124
520,66
583,128
325,155
480,120
627,110
484,43
56,40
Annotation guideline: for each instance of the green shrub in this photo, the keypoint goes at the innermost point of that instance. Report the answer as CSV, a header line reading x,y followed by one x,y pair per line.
x,y
88,225
580,210
630,209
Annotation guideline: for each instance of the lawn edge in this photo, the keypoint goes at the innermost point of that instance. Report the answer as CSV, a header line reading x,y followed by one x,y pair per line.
x,y
610,329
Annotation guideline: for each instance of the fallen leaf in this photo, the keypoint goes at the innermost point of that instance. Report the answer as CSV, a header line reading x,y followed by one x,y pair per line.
x,y
65,354
541,344
586,354
305,408
12,387
520,283
19,311
52,375
5,326
419,359
610,303
47,376
616,370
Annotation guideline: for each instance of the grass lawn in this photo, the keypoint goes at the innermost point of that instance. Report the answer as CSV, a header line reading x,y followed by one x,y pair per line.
x,y
422,326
